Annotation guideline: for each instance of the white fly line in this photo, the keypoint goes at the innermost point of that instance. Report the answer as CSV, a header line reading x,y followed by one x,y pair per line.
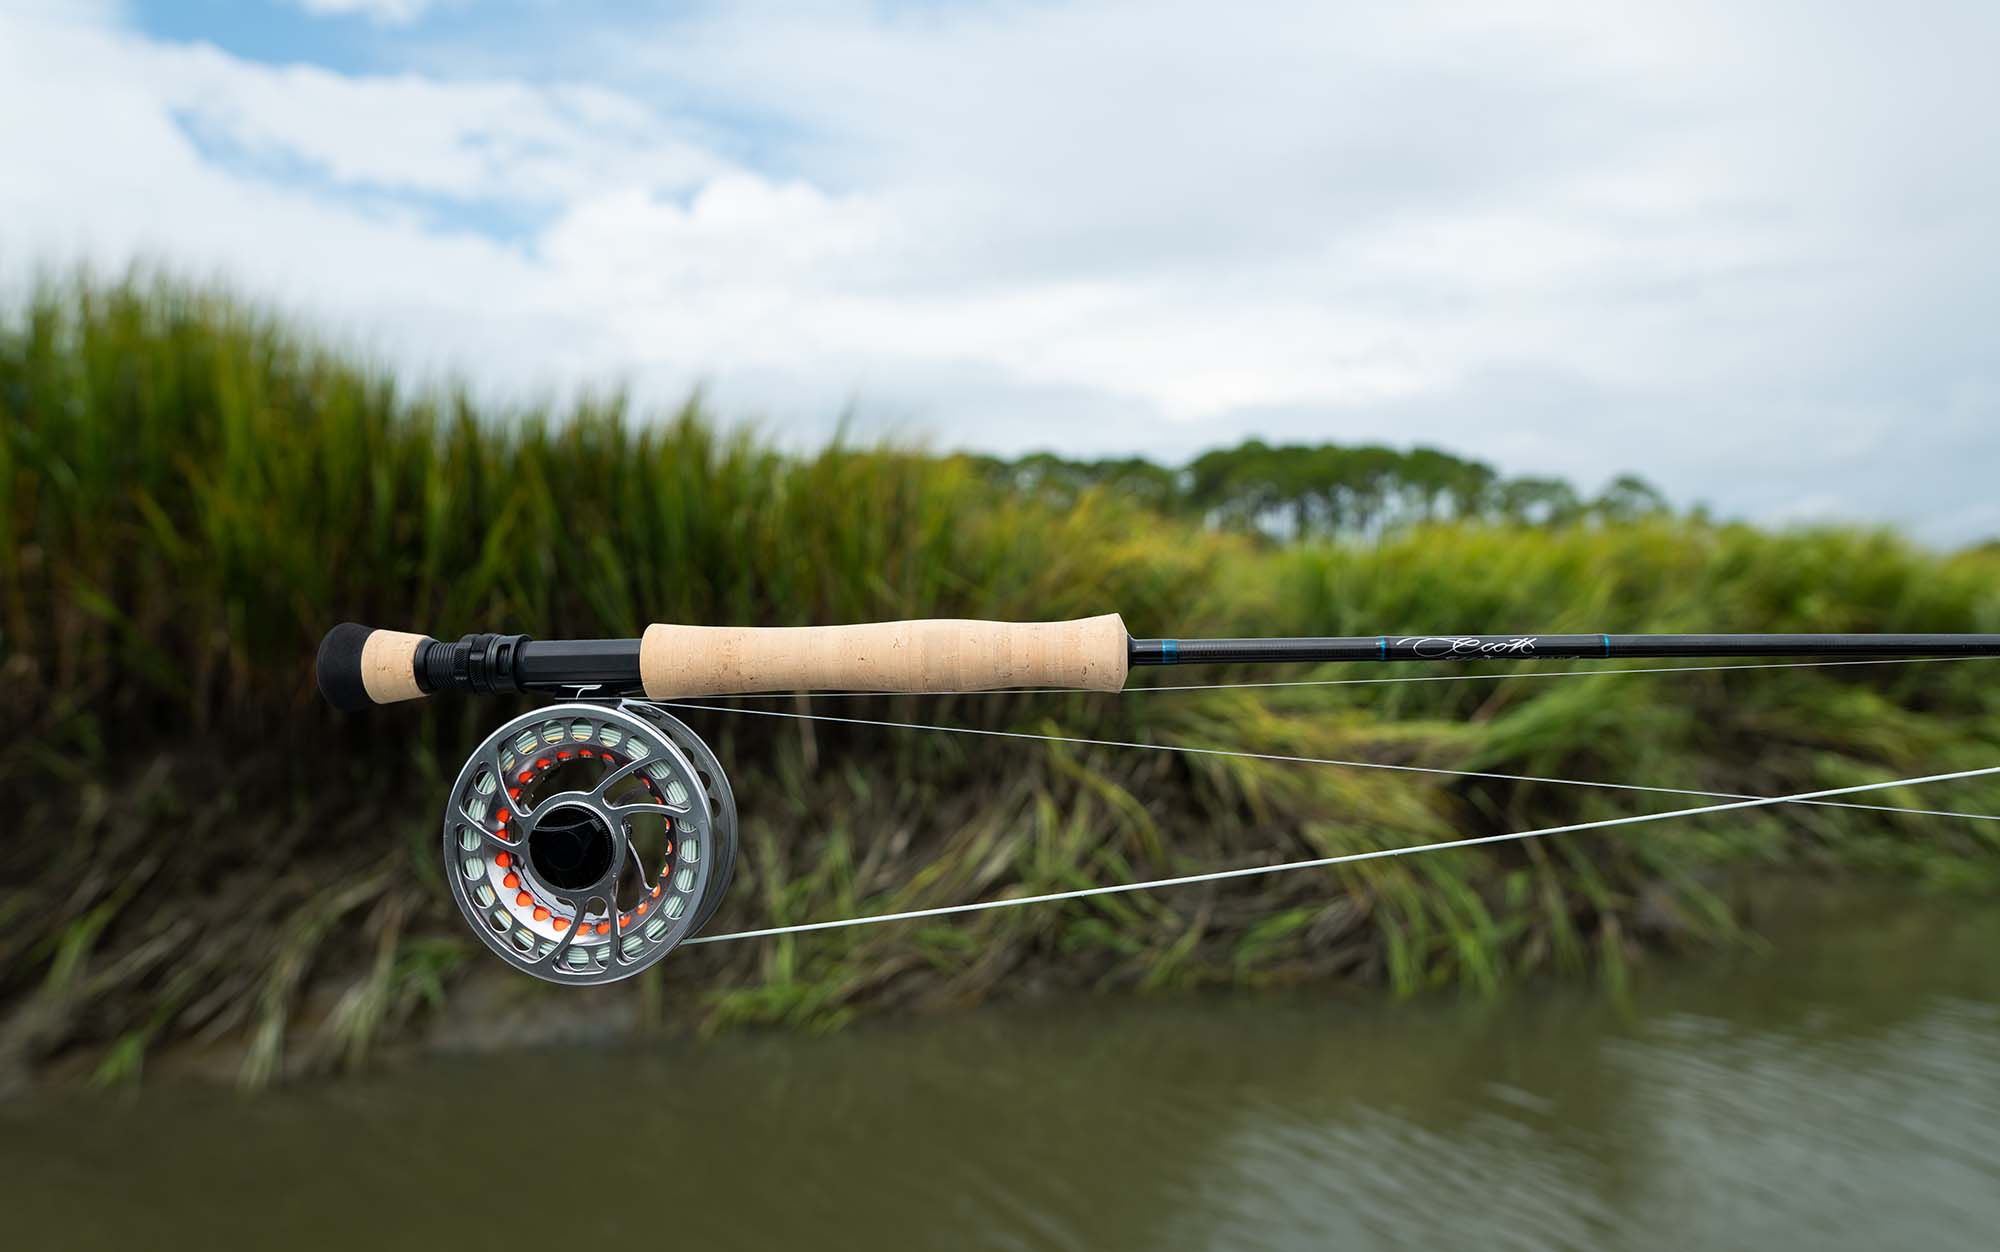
x,y
1344,859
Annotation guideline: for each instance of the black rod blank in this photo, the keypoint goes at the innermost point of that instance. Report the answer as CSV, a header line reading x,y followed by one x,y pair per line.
x,y
1550,647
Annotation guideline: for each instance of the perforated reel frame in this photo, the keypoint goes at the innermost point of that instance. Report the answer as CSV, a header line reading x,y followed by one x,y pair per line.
x,y
584,841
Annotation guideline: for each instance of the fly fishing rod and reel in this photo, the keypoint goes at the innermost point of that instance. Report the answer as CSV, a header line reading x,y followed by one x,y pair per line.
x,y
586,840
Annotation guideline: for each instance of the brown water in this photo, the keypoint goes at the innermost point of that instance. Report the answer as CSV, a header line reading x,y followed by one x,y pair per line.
x,y
1840,1090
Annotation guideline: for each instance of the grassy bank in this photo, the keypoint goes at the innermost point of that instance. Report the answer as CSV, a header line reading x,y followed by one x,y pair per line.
x,y
190,493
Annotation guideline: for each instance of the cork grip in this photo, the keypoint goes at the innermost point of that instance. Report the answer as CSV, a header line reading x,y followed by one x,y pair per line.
x,y
389,666
359,666
937,655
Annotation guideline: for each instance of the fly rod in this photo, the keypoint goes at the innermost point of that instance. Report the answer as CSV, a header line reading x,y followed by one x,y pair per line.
x,y
359,666
586,839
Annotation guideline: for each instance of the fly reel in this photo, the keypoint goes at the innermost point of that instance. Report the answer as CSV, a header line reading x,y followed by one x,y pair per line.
x,y
584,841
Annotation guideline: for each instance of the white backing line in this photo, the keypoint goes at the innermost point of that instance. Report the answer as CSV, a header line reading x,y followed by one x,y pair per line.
x,y
1308,760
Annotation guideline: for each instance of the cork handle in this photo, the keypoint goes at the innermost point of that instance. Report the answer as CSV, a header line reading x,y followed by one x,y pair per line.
x,y
935,655
359,666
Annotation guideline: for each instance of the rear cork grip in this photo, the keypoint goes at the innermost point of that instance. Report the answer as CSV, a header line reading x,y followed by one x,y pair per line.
x,y
942,654
359,666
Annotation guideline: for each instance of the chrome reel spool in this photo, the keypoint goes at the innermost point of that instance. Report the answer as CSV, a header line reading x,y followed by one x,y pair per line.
x,y
584,841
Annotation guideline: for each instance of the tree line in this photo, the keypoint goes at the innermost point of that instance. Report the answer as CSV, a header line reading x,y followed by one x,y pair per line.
x,y
1323,490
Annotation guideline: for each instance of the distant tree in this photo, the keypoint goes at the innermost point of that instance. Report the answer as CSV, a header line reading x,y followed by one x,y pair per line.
x,y
1060,481
1323,490
1627,497
1429,477
1155,486
1238,487
1539,501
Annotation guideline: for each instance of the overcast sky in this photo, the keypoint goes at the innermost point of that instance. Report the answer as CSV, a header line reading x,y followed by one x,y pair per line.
x,y
1748,250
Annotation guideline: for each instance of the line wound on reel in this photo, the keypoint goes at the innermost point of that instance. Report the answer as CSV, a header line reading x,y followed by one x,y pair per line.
x,y
583,842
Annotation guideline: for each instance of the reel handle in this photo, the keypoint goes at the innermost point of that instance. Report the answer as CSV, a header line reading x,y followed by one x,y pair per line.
x,y
938,654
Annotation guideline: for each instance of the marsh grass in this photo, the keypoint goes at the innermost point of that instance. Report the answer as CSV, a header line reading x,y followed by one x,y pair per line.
x,y
192,491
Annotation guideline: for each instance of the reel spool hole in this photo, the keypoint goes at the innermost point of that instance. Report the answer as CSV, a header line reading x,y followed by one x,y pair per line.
x,y
571,848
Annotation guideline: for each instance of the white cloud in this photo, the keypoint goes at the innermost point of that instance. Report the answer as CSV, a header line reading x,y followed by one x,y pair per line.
x,y
1743,250
470,140
386,12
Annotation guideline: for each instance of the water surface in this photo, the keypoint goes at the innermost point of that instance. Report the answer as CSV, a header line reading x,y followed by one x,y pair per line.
x,y
1839,1090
